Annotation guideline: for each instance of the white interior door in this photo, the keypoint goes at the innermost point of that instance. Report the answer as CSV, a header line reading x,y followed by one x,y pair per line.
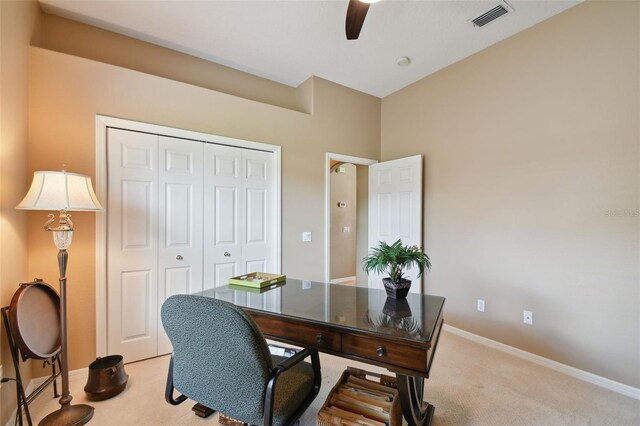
x,y
180,218
257,212
239,210
222,214
133,244
395,208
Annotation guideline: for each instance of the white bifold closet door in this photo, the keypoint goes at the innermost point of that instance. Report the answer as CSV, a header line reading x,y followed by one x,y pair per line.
x,y
182,216
132,271
238,211
155,235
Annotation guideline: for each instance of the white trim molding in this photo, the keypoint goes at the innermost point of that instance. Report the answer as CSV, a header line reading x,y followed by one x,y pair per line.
x,y
603,382
327,191
103,122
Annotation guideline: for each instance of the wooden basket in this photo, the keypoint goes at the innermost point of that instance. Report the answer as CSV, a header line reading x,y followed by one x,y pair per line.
x,y
395,414
228,421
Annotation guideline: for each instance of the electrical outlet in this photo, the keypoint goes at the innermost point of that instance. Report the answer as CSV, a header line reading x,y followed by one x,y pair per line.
x,y
346,229
480,305
306,236
306,284
527,317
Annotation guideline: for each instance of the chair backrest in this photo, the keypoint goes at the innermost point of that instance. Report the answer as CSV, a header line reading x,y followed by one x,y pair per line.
x,y
221,358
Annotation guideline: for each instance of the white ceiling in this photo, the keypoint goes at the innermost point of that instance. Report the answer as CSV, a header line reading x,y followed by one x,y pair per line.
x,y
288,41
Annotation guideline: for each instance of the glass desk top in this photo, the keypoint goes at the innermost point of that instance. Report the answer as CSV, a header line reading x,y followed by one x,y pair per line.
x,y
414,318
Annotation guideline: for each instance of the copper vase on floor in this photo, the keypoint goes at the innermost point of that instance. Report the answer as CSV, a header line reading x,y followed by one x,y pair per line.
x,y
107,378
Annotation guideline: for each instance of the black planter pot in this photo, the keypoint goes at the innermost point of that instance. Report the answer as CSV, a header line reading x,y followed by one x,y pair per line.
x,y
397,308
397,290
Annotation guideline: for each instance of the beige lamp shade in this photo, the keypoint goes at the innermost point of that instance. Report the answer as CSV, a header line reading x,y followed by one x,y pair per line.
x,y
60,191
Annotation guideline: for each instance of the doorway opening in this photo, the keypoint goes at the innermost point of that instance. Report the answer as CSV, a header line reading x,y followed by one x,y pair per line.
x,y
347,218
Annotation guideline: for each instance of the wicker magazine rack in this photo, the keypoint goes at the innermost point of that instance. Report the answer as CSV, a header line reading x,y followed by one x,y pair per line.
x,y
395,413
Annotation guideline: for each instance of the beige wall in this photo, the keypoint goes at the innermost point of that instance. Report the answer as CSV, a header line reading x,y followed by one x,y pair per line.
x,y
531,180
66,93
77,39
343,244
532,186
16,24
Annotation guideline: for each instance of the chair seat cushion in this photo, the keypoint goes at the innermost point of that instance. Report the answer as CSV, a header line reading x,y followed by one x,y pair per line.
x,y
292,388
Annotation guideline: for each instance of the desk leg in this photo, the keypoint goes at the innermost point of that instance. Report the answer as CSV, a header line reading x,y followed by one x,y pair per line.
x,y
202,410
415,411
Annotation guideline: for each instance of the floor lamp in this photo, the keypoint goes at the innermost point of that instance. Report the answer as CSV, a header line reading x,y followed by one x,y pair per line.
x,y
64,192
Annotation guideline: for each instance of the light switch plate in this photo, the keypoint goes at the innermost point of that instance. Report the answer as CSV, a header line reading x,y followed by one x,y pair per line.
x,y
306,236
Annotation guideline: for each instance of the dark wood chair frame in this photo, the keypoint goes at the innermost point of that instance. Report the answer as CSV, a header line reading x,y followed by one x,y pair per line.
x,y
269,394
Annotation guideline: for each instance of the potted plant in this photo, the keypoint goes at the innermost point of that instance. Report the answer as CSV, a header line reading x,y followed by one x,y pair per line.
x,y
395,259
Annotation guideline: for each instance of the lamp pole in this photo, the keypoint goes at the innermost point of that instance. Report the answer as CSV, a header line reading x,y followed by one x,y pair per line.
x,y
68,414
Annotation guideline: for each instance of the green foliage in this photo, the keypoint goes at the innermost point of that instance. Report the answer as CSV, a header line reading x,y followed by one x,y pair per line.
x,y
394,259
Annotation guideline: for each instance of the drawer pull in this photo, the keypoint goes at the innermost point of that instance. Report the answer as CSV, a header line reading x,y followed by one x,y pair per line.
x,y
380,351
227,254
320,338
179,257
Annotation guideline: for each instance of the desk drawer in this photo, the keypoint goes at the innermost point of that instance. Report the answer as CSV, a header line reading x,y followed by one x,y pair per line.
x,y
301,334
387,352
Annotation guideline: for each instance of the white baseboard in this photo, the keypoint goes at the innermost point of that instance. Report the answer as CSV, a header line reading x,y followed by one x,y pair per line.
x,y
342,280
37,381
612,385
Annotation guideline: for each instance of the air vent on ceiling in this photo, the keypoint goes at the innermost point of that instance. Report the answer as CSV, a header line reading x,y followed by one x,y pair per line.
x,y
492,14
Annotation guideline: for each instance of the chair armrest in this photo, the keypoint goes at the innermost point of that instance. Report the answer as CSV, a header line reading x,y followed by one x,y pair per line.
x,y
282,366
287,363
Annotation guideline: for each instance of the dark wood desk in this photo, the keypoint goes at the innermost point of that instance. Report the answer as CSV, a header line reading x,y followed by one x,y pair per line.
x,y
355,323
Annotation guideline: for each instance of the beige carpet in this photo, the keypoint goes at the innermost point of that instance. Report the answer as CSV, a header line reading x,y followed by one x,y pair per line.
x,y
470,385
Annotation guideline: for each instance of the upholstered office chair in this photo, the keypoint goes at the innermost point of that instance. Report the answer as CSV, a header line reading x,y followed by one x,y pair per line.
x,y
221,360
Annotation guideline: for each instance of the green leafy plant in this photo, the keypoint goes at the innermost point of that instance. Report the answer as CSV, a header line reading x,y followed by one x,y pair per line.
x,y
394,259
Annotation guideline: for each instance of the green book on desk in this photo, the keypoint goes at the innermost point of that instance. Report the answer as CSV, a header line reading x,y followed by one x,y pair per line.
x,y
257,280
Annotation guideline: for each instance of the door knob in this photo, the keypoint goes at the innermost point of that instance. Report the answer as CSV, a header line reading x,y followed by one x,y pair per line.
x,y
380,351
227,254
179,257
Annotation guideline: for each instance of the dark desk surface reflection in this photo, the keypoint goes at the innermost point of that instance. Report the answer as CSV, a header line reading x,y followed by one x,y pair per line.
x,y
413,319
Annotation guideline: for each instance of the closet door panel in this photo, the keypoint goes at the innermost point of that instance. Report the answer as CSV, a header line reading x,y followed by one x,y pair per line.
x,y
258,204
226,214
223,271
132,244
180,217
136,286
256,212
222,214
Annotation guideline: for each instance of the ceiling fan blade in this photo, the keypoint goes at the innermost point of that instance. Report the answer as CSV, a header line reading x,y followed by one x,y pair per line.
x,y
356,12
